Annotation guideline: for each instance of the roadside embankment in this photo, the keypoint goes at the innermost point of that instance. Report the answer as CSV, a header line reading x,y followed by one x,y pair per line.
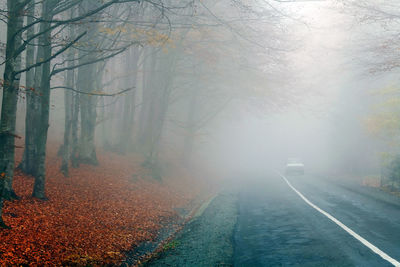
x,y
364,187
206,240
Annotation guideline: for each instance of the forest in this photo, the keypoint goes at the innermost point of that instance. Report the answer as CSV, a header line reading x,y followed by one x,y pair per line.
x,y
120,117
125,76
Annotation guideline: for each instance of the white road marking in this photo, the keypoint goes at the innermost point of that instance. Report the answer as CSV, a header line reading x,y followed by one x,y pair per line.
x,y
344,227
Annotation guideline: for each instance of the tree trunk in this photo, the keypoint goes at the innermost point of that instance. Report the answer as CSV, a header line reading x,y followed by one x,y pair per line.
x,y
68,110
160,104
86,83
160,109
125,138
188,140
74,132
42,125
103,122
68,102
32,119
149,84
26,163
87,151
9,103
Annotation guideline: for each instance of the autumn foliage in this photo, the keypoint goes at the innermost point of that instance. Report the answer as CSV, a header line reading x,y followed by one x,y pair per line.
x,y
92,217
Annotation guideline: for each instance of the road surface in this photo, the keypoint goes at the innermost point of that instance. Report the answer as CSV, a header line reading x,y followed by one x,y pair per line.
x,y
274,226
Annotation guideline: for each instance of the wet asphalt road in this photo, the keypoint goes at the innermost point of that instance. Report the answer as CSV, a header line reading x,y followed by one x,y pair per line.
x,y
260,221
276,227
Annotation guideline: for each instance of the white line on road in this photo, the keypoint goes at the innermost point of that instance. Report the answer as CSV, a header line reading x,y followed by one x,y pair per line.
x,y
344,227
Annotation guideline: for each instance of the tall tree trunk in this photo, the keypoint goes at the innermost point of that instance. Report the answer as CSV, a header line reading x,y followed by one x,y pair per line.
x,y
74,132
28,164
86,83
188,140
87,151
68,109
124,130
160,104
149,84
125,137
42,125
27,159
9,103
103,122
68,103
160,109
33,115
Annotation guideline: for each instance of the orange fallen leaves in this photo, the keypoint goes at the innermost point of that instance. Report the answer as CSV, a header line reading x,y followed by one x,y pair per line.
x,y
91,218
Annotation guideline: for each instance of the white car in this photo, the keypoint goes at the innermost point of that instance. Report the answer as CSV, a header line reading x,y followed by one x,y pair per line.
x,y
294,166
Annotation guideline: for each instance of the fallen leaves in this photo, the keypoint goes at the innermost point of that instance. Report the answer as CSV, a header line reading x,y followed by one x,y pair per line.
x,y
92,217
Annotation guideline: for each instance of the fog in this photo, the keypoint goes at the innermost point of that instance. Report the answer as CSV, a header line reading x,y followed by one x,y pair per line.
x,y
211,90
329,94
295,82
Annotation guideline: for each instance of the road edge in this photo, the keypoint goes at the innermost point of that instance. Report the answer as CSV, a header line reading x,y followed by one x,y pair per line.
x,y
142,258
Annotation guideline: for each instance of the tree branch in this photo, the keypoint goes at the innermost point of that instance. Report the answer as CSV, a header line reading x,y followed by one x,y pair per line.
x,y
94,93
53,56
